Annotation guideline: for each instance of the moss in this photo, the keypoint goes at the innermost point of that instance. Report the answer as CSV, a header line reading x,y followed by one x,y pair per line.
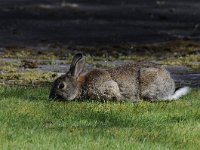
x,y
181,52
28,53
192,61
123,51
9,66
28,77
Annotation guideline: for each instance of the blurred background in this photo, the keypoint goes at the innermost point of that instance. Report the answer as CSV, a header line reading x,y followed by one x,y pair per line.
x,y
97,22
38,38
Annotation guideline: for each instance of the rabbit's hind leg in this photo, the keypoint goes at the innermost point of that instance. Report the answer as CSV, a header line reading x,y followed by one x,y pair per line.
x,y
109,90
156,84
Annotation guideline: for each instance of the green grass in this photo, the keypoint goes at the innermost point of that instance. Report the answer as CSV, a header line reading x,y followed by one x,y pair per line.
x,y
29,121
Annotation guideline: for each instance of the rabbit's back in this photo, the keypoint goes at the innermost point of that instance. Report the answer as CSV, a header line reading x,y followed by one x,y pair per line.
x,y
131,82
143,80
127,78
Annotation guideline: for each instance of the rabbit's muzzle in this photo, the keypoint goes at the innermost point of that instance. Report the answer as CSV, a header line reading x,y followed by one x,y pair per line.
x,y
54,96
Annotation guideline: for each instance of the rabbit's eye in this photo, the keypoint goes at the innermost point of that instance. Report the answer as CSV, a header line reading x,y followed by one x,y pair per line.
x,y
61,85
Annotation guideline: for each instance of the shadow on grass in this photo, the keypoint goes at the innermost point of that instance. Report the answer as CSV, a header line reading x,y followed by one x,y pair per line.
x,y
95,114
30,93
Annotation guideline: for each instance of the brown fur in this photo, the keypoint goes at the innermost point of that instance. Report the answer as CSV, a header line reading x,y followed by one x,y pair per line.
x,y
132,82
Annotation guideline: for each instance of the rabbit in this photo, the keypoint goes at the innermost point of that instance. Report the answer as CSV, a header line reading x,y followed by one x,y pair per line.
x,y
131,82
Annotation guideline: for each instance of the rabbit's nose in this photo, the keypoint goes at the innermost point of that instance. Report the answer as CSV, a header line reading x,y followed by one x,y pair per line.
x,y
55,97
52,96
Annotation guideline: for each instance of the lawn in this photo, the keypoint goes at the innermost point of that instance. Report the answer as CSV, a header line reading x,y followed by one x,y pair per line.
x,y
29,121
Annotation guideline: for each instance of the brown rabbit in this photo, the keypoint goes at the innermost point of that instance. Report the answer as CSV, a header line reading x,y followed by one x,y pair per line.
x,y
132,82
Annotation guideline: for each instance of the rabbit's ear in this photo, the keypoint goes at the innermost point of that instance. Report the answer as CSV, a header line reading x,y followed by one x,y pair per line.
x,y
77,65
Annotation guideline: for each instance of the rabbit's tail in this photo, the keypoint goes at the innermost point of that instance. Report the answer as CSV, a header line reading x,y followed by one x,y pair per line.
x,y
179,93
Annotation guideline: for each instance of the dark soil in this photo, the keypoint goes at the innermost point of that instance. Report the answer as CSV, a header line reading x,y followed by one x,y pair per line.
x,y
99,22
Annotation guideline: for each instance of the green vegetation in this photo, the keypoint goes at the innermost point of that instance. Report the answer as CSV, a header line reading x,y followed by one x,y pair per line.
x,y
180,52
27,77
192,61
29,121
